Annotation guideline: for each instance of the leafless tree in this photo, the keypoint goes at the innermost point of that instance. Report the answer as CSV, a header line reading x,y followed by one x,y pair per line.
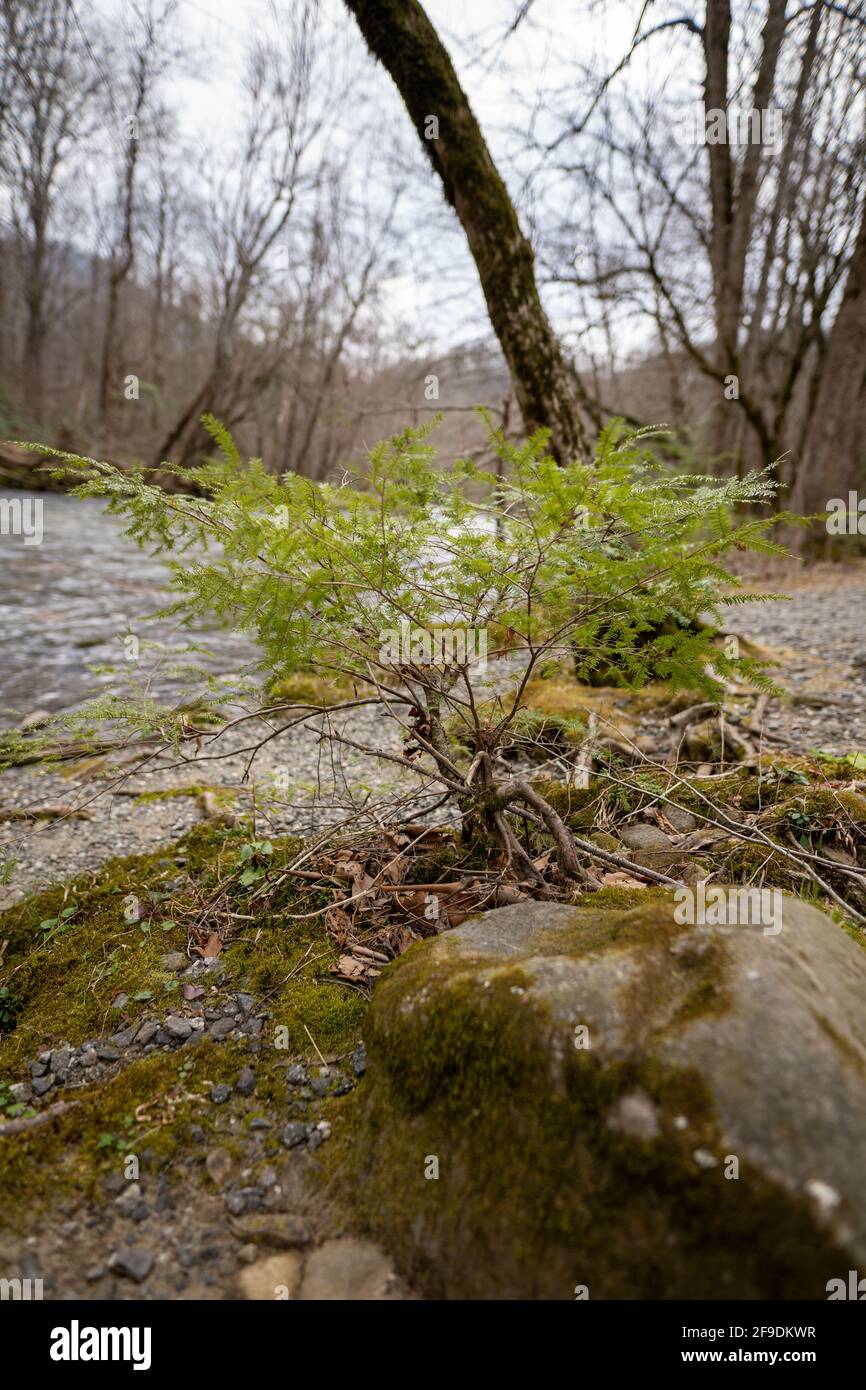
x,y
50,90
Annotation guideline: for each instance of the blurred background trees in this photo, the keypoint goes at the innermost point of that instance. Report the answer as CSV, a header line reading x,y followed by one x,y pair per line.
x,y
206,206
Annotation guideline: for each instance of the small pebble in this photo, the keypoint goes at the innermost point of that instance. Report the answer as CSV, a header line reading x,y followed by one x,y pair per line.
x,y
293,1134
133,1263
246,1082
177,1027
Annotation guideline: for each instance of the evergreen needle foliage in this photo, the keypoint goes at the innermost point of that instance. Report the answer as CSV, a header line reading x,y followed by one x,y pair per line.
x,y
615,567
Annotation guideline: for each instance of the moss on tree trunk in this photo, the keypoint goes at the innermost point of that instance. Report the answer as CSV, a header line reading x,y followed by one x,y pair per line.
x,y
401,36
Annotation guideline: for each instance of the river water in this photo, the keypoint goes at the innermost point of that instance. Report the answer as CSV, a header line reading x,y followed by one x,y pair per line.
x,y
66,602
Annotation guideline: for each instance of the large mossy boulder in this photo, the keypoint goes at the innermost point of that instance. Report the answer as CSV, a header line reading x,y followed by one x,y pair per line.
x,y
566,1102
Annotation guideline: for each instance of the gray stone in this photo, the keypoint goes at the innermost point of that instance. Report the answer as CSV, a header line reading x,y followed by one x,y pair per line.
x,y
293,1134
319,1133
219,1094
703,1044
124,1038
297,1075
60,1059
219,1165
131,1204
352,1271
644,837
173,962
89,1057
42,1085
635,1115
37,719
107,1052
20,1092
135,1262
276,1277
38,1068
131,1193
147,1032
120,1002
246,1002
280,1230
359,1060
246,1082
221,1028
177,1027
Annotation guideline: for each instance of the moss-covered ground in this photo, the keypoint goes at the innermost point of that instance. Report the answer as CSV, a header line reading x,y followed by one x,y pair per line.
x,y
64,972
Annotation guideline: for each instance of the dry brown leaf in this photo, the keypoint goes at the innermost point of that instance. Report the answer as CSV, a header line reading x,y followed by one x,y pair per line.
x,y
619,879
396,869
350,968
401,938
212,946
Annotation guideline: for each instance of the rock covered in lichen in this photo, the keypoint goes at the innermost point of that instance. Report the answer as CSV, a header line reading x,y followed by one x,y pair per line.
x,y
561,1097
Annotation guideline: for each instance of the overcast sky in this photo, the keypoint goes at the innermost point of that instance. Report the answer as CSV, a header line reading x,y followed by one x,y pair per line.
x,y
435,294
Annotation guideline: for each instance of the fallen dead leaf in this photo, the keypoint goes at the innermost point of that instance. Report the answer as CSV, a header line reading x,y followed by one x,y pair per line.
x,y
619,879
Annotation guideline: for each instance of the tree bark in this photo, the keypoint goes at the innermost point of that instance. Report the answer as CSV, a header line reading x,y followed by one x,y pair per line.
x,y
401,36
833,454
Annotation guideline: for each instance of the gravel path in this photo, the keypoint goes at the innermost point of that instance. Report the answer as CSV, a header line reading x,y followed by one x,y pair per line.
x,y
817,636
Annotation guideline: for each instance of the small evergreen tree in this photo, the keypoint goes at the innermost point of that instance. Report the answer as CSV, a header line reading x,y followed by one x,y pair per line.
x,y
374,580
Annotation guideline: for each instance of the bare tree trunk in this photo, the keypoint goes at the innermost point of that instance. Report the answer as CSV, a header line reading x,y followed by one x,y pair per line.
x,y
401,36
121,265
733,192
833,454
35,294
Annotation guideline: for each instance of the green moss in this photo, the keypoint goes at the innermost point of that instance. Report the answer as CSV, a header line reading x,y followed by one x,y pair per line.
x,y
194,789
618,897
151,1103
72,1152
309,687
756,864
64,983
824,808
578,806
537,1190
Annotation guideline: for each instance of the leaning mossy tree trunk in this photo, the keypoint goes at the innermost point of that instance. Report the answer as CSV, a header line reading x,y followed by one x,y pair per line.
x,y
401,36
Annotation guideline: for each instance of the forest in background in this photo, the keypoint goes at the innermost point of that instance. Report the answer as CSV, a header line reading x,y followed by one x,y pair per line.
x,y
148,277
